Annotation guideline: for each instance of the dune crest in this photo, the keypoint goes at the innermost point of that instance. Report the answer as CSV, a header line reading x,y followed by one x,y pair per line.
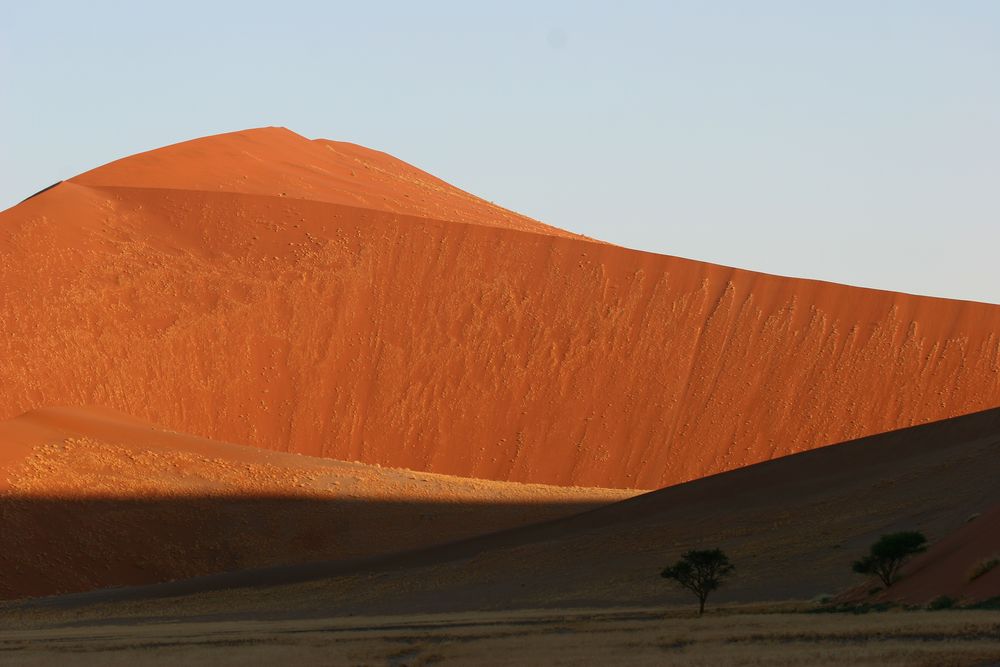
x,y
277,162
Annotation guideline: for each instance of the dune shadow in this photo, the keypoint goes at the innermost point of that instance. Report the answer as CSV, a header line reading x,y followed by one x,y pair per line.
x,y
65,545
793,526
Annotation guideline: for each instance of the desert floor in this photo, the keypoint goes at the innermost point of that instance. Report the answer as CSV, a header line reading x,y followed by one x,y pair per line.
x,y
731,636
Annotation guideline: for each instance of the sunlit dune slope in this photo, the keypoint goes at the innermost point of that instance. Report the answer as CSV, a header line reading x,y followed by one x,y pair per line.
x,y
792,527
321,298
279,163
92,498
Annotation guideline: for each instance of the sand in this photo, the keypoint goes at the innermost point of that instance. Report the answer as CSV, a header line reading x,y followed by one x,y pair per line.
x,y
275,162
444,414
964,565
792,527
321,298
90,498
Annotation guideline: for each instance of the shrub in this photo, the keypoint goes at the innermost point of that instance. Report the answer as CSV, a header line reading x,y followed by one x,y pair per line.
x,y
941,602
989,603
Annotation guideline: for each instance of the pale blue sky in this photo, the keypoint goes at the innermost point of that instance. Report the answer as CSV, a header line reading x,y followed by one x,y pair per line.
x,y
849,141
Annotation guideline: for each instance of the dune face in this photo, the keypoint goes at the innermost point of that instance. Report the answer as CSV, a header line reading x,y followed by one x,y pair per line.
x,y
92,498
320,298
792,526
965,566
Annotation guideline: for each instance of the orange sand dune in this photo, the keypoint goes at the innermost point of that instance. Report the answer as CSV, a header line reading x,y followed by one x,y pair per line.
x,y
792,527
321,298
92,498
948,566
277,162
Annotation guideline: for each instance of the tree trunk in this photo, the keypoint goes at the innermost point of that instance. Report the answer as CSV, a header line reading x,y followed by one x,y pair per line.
x,y
701,606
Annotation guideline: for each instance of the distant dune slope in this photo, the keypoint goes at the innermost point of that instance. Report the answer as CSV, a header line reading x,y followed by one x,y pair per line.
x,y
792,527
92,498
321,298
965,565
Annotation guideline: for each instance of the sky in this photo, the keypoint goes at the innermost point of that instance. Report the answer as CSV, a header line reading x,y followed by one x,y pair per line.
x,y
856,142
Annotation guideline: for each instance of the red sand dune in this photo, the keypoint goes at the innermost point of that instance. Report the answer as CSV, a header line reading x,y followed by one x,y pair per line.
x,y
948,566
322,298
792,526
93,498
276,162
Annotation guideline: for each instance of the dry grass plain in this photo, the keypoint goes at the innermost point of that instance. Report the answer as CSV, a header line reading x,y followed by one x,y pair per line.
x,y
643,636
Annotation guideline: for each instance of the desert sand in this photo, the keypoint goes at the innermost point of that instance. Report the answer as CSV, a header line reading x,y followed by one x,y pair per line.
x,y
793,526
321,298
323,405
585,590
964,565
90,498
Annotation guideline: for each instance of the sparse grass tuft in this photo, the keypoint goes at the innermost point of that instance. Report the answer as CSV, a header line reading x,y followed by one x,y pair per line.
x,y
852,608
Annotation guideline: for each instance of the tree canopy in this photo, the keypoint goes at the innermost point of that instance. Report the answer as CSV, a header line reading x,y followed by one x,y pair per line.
x,y
701,572
886,557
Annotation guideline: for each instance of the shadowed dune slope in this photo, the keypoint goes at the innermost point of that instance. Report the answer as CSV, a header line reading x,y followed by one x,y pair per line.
x,y
792,526
93,498
321,298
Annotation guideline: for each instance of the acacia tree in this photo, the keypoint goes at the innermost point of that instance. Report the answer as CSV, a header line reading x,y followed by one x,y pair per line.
x,y
701,572
887,556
